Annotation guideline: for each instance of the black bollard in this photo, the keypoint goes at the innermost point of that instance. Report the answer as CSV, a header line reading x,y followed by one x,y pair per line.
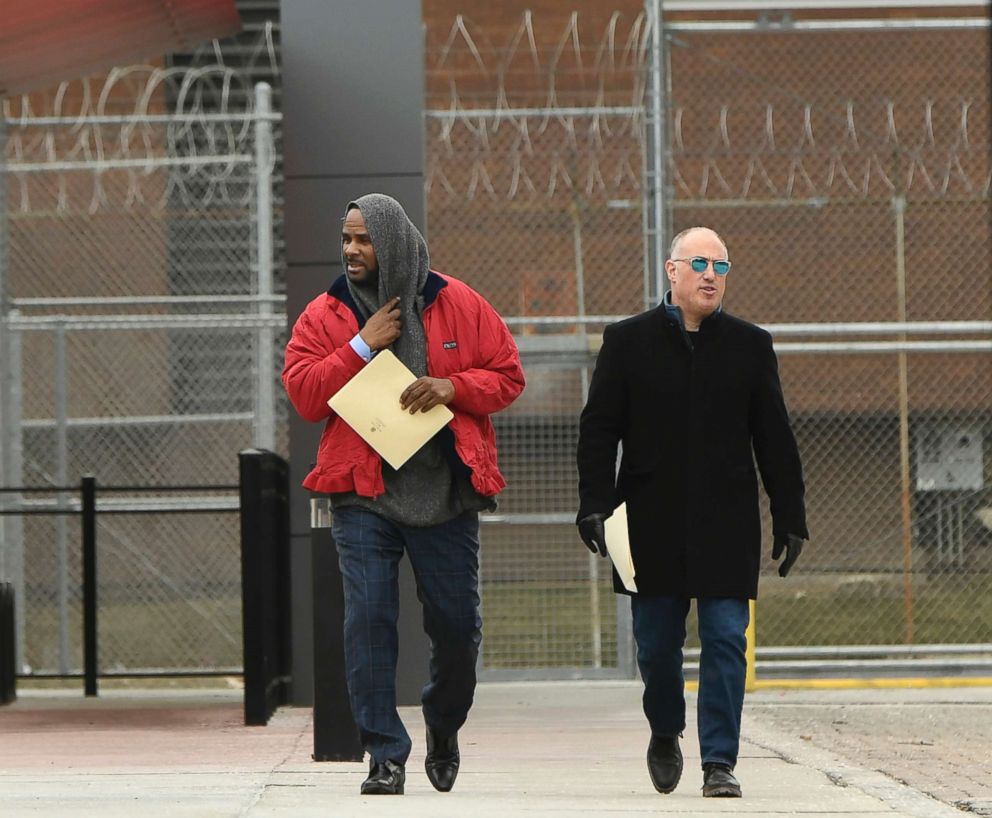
x,y
335,736
8,645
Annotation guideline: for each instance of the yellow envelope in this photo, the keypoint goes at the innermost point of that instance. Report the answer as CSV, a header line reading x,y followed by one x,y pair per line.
x,y
618,546
370,404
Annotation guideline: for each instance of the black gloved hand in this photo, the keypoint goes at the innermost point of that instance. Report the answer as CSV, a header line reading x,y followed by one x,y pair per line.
x,y
593,533
792,546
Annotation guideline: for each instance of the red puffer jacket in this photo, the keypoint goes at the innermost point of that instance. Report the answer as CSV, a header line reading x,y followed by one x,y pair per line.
x,y
467,342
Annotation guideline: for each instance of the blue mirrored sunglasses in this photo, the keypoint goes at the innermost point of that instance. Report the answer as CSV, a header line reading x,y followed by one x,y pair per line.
x,y
699,264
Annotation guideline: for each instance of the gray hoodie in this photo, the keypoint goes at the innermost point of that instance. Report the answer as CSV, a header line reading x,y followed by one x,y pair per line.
x,y
404,264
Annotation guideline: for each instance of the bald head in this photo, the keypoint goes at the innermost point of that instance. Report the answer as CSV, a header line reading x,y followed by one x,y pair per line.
x,y
675,249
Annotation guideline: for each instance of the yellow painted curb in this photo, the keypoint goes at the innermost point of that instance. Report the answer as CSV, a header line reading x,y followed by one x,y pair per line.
x,y
869,684
863,684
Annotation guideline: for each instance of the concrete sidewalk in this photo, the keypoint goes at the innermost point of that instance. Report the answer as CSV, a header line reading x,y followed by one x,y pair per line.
x,y
531,749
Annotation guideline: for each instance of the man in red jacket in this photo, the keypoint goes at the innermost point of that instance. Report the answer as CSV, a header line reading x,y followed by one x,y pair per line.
x,y
466,359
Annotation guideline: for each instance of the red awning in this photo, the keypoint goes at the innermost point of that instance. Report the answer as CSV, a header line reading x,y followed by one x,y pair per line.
x,y
43,42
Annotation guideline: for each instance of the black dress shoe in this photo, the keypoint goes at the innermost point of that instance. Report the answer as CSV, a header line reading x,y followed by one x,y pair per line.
x,y
719,782
664,762
385,778
442,759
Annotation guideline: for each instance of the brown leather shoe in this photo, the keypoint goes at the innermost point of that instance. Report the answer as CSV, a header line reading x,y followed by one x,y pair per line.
x,y
664,762
442,760
385,778
719,782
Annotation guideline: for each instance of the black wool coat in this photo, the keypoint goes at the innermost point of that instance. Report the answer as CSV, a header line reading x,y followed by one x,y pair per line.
x,y
693,418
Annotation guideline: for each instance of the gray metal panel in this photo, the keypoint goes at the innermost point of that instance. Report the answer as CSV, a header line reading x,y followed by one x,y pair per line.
x,y
305,282
301,616
315,208
353,80
412,670
303,438
303,285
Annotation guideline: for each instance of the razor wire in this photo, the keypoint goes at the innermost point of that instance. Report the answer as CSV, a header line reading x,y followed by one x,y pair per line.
x,y
841,148
198,121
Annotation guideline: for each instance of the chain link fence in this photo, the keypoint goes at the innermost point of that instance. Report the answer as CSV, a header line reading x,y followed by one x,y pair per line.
x,y
848,169
142,326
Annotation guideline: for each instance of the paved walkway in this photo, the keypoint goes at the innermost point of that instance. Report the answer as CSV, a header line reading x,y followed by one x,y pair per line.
x,y
529,749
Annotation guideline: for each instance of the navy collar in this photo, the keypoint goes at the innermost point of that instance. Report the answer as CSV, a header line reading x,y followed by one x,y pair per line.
x,y
674,313
434,284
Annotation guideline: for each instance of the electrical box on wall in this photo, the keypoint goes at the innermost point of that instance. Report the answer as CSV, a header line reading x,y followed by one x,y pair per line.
x,y
949,459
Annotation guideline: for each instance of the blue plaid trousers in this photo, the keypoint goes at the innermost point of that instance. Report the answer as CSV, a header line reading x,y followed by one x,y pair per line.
x,y
445,561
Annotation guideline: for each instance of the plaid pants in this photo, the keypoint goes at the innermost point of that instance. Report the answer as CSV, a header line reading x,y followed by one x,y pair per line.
x,y
445,561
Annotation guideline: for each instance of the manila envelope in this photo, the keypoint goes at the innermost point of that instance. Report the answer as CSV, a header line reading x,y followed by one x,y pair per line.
x,y
618,546
370,404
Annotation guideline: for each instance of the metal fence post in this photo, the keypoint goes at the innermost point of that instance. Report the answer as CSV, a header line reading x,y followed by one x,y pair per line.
x,y
596,618
655,158
61,387
899,211
265,403
15,475
87,492
11,528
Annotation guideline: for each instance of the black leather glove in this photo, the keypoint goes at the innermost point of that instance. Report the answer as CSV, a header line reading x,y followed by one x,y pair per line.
x,y
792,546
593,533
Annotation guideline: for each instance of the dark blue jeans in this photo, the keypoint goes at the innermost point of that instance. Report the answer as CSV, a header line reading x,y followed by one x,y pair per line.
x,y
445,560
659,630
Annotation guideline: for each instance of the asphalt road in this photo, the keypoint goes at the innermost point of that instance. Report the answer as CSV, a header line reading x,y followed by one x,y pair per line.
x,y
935,740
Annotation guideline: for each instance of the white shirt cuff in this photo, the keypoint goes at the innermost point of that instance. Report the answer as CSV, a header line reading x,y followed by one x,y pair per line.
x,y
364,350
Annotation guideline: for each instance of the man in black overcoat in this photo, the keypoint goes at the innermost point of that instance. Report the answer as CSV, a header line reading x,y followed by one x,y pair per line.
x,y
692,395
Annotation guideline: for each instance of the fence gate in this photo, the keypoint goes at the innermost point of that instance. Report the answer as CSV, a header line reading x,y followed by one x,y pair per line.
x,y
142,330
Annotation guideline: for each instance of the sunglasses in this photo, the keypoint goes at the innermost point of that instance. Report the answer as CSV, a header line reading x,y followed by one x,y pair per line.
x,y
699,265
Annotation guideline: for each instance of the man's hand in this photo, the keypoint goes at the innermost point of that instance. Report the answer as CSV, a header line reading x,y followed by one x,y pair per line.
x,y
792,546
383,326
426,393
593,533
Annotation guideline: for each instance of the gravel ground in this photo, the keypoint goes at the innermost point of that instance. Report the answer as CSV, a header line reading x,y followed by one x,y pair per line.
x,y
936,740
